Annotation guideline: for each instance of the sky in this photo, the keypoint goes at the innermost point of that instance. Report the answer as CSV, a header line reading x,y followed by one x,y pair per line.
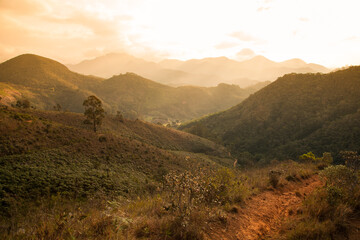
x,y
318,31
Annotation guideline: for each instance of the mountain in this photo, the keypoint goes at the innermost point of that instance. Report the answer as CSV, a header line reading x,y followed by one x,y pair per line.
x,y
298,63
201,72
245,73
46,83
119,63
157,102
295,114
113,64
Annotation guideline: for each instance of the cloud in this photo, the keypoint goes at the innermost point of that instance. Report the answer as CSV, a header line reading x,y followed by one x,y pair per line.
x,y
25,7
352,38
303,19
245,53
55,30
260,9
226,45
243,36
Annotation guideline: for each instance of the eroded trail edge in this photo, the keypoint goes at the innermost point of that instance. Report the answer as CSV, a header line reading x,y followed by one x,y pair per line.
x,y
263,214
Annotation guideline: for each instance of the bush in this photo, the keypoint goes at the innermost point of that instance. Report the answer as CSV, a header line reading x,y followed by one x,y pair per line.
x,y
352,160
102,138
342,178
274,178
22,103
327,211
309,157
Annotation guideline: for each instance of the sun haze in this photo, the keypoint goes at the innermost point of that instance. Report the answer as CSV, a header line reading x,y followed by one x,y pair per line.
x,y
320,31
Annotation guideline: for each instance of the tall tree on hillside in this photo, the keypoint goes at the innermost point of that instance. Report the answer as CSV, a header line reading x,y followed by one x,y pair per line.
x,y
94,112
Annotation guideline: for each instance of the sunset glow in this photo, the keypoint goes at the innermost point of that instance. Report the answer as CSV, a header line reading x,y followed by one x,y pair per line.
x,y
322,31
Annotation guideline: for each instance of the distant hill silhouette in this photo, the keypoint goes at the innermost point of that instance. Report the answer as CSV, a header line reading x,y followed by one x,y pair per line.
x,y
46,83
200,72
295,114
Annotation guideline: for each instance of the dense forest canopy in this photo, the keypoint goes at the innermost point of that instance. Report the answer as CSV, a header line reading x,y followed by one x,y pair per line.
x,y
295,114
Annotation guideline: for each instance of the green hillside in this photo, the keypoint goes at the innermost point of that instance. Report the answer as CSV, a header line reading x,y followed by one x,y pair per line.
x,y
295,114
151,100
48,153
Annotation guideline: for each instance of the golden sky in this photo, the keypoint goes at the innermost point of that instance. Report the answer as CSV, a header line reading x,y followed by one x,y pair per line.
x,y
320,31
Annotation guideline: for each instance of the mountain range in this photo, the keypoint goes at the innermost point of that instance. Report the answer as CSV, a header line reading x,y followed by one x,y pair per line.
x,y
295,114
46,83
200,72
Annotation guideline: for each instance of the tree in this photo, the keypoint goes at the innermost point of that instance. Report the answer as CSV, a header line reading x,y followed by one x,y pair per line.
x,y
94,112
119,116
57,107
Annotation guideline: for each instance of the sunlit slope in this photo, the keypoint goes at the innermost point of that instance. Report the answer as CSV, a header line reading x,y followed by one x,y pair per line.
x,y
46,82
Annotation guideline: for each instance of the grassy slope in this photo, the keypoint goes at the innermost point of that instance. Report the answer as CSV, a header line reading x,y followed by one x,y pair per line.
x,y
46,82
295,114
45,153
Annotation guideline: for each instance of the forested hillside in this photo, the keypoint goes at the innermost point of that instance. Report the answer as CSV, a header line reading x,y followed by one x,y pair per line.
x,y
295,114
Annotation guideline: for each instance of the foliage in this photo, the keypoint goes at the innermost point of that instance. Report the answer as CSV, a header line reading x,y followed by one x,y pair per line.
x,y
119,116
23,103
327,211
57,107
204,187
351,159
308,157
322,162
274,178
341,181
53,167
94,112
295,113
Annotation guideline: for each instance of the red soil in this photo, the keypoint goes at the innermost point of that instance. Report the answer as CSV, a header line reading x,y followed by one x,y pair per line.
x,y
263,215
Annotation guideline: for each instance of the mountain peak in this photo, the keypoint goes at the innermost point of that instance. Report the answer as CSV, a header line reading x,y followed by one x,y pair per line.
x,y
294,63
29,60
35,71
260,58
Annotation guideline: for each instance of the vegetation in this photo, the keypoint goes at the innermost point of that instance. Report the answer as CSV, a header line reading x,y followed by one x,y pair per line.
x,y
59,179
295,114
23,103
47,83
329,211
94,112
130,179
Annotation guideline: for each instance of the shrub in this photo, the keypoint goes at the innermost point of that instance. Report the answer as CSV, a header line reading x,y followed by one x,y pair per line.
x,y
274,178
309,157
22,103
102,138
188,191
327,210
352,159
342,178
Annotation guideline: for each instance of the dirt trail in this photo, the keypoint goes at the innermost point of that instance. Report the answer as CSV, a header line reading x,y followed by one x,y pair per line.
x,y
264,214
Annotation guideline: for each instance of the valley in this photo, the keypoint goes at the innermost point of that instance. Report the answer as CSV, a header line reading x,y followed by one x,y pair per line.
x,y
275,160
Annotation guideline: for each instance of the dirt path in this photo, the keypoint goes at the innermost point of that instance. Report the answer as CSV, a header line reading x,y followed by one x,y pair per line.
x,y
264,214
